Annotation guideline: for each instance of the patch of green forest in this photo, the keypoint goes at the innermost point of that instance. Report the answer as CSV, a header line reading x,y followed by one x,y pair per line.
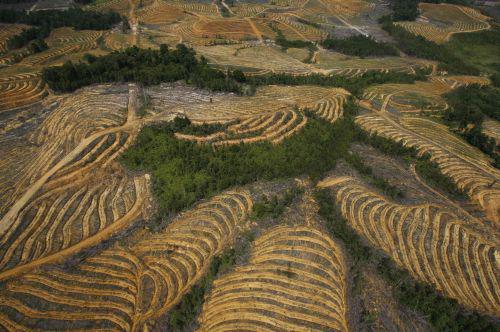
x,y
73,17
479,49
144,66
275,206
185,172
287,43
184,314
469,105
359,45
169,65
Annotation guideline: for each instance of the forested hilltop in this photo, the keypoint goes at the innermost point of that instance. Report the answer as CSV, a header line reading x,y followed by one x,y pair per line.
x,y
144,66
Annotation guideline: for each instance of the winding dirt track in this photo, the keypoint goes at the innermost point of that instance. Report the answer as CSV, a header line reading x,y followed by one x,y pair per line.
x,y
10,216
134,24
254,28
87,243
132,124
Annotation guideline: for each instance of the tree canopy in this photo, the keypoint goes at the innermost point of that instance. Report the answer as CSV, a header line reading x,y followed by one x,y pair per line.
x,y
185,172
469,106
360,46
73,17
139,65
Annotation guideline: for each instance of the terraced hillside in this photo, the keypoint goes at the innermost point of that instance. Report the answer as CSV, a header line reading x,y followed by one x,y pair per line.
x,y
295,280
20,69
294,29
64,42
413,98
21,82
273,126
339,64
95,238
432,243
70,193
492,129
21,90
7,31
244,36
438,22
247,58
204,23
468,167
120,6
122,288
160,13
267,101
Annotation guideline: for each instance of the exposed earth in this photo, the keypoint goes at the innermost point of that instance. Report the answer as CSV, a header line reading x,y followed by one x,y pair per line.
x,y
335,177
